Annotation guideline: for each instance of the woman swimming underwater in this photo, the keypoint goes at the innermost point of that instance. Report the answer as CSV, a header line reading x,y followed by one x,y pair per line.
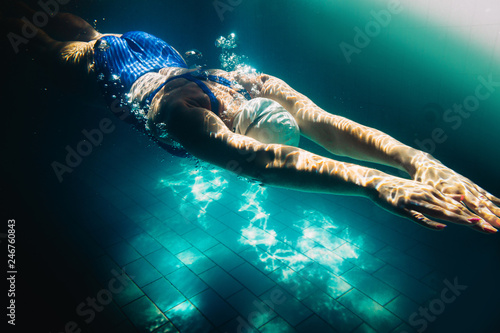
x,y
251,123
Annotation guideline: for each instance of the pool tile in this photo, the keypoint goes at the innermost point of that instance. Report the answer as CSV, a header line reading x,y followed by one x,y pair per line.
x,y
372,313
287,218
332,312
173,242
329,260
314,324
224,257
145,316
195,260
187,318
428,255
402,261
278,195
163,294
253,311
167,328
200,239
180,224
129,292
228,200
169,198
211,225
370,286
275,225
188,212
142,272
116,280
261,260
323,237
144,244
216,209
361,240
138,194
127,228
238,324
123,253
118,198
234,221
325,280
277,325
136,213
252,278
232,240
154,227
360,258
161,211
213,307
404,328
391,237
223,283
289,236
164,261
403,307
286,305
405,284
364,328
110,215
186,282
237,188
434,280
293,283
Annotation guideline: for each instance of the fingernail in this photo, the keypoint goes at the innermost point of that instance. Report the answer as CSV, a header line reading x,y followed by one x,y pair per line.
x,y
462,197
474,220
489,229
441,226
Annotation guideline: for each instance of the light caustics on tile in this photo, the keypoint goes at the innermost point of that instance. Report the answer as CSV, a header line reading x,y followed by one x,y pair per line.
x,y
311,247
197,187
315,243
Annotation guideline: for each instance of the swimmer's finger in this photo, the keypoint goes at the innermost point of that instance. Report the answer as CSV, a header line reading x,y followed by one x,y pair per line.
x,y
483,208
423,220
487,196
443,208
484,227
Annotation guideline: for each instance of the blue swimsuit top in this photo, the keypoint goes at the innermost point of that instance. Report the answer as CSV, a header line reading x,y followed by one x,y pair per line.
x,y
120,61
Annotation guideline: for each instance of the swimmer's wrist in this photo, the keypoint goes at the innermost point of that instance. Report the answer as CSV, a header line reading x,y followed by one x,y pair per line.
x,y
418,160
411,160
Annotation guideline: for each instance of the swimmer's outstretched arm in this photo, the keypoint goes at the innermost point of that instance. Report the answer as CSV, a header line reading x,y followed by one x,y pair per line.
x,y
344,137
205,136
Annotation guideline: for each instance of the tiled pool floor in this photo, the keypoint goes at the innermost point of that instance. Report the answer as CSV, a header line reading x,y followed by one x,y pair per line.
x,y
200,250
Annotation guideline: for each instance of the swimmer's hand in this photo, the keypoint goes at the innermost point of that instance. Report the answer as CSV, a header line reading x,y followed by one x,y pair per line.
x,y
431,172
422,203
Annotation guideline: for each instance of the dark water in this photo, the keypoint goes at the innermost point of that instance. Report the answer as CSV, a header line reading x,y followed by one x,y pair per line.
x,y
403,82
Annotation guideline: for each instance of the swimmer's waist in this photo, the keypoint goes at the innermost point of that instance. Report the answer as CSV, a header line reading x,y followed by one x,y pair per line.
x,y
198,77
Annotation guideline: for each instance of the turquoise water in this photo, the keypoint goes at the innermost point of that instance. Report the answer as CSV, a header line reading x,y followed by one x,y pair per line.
x,y
166,244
